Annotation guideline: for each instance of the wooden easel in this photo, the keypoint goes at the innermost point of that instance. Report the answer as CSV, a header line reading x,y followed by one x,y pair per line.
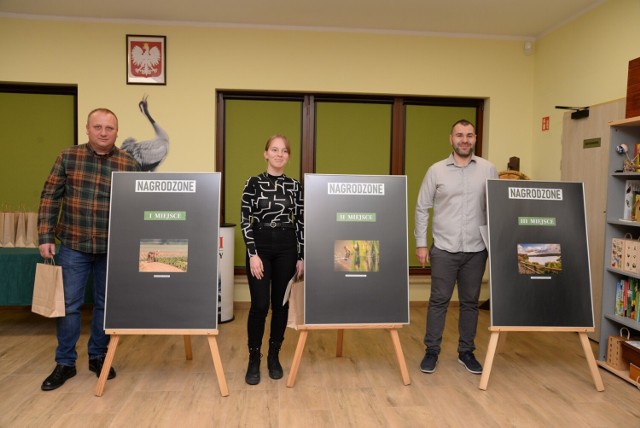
x,y
304,332
497,342
211,337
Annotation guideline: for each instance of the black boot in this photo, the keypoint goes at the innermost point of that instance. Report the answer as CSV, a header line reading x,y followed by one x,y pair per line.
x,y
273,364
253,370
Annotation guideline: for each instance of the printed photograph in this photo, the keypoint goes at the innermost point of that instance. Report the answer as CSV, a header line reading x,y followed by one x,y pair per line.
x,y
163,255
356,256
539,259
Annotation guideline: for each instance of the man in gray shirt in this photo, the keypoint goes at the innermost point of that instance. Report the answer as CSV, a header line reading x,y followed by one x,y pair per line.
x,y
455,189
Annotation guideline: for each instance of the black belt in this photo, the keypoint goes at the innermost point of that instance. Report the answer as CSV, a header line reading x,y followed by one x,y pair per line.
x,y
273,225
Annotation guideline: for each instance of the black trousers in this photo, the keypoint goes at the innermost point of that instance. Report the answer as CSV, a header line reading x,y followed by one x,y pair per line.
x,y
277,248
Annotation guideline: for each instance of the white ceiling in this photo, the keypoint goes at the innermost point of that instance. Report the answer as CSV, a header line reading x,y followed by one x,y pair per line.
x,y
518,19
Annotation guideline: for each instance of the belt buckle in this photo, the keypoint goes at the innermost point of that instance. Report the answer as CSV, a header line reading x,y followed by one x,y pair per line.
x,y
273,224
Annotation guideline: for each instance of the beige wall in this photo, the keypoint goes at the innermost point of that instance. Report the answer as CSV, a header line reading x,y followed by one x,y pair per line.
x,y
202,59
583,62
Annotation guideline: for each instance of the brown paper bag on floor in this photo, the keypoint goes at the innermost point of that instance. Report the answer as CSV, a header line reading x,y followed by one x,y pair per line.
x,y
296,303
21,230
48,290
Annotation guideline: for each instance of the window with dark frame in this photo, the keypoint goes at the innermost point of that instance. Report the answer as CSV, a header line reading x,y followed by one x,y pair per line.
x,y
309,103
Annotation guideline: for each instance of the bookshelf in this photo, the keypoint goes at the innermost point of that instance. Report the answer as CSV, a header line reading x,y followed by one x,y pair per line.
x,y
627,132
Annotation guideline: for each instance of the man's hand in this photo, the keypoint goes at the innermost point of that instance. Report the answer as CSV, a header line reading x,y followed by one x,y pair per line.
x,y
423,255
47,251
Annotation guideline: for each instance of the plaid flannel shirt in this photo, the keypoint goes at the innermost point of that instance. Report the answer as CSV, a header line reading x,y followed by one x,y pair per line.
x,y
74,204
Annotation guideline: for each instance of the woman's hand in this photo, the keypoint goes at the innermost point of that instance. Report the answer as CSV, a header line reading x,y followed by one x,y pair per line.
x,y
300,269
255,264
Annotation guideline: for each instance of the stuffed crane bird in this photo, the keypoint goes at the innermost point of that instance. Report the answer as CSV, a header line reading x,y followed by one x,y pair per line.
x,y
151,153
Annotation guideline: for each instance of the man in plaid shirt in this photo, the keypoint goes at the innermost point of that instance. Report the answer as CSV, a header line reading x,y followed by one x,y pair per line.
x,y
74,207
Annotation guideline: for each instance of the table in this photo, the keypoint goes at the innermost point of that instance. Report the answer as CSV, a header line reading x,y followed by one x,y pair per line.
x,y
17,272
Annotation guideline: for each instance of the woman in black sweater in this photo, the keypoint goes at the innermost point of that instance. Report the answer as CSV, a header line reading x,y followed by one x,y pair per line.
x,y
273,231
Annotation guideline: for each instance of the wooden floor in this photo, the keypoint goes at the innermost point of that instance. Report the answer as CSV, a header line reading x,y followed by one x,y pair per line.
x,y
541,380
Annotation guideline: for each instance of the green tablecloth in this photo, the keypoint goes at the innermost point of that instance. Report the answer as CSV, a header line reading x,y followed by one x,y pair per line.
x,y
17,272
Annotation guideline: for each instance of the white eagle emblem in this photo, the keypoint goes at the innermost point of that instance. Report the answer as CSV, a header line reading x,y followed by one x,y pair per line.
x,y
145,61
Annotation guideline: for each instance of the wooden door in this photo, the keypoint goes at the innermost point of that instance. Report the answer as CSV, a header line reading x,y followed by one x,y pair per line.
x,y
587,162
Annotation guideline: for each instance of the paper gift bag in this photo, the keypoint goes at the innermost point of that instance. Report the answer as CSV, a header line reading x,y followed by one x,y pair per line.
x,y
21,229
634,374
48,291
32,230
296,303
614,350
8,232
617,252
631,256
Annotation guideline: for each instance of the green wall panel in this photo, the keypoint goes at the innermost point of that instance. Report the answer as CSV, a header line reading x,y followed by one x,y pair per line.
x,y
427,131
33,130
248,124
353,138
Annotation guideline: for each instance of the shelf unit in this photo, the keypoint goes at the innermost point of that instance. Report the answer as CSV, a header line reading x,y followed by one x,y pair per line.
x,y
627,132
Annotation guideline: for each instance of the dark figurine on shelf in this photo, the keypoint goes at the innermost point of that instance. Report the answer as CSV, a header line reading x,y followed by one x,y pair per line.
x,y
628,164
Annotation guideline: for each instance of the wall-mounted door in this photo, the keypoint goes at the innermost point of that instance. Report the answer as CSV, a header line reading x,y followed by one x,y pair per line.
x,y
588,164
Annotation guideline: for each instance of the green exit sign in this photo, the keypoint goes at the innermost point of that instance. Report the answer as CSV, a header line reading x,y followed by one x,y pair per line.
x,y
591,143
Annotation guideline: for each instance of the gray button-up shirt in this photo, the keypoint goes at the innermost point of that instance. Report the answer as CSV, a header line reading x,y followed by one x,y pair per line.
x,y
457,196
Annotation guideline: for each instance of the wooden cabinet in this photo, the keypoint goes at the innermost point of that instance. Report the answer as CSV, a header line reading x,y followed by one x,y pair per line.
x,y
627,132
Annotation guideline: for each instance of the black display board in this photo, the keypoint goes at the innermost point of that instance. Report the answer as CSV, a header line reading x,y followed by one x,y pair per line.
x,y
356,262
538,254
162,266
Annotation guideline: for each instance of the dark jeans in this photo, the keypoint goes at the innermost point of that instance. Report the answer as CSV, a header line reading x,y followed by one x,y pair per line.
x,y
446,269
277,248
76,267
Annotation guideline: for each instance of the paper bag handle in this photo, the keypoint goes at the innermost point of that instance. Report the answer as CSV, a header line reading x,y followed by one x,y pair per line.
x,y
622,330
51,261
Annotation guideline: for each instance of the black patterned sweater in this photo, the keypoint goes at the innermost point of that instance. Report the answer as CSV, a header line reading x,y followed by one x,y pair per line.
x,y
272,199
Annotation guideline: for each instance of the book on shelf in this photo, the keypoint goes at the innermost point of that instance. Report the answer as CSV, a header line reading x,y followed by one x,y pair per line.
x,y
631,199
632,306
619,296
625,295
628,298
